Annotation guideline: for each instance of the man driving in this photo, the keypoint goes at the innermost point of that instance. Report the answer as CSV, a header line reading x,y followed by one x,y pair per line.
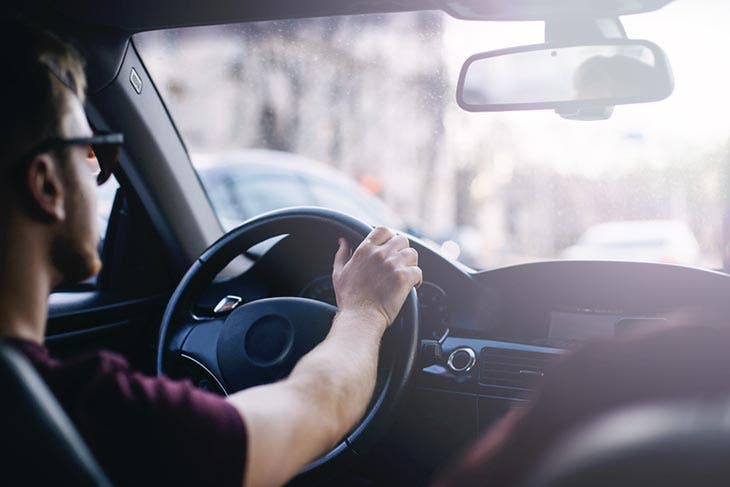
x,y
152,429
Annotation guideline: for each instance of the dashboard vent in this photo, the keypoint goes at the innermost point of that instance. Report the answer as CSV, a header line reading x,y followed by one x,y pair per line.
x,y
507,367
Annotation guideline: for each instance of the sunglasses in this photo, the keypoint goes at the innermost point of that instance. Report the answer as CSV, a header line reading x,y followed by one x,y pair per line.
x,y
106,147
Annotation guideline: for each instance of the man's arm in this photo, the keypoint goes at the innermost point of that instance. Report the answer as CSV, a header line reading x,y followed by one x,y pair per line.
x,y
292,422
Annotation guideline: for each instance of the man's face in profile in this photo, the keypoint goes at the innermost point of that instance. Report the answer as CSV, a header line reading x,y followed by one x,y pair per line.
x,y
75,246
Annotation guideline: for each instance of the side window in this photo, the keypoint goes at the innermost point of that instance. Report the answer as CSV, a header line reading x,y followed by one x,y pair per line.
x,y
130,246
104,203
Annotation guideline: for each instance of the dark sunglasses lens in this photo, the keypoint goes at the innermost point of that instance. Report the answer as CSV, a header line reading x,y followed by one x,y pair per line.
x,y
108,157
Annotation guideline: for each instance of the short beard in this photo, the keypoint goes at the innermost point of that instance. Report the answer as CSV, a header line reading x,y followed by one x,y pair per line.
x,y
74,258
75,261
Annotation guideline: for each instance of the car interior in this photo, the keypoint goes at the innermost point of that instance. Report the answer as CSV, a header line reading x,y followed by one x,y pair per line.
x,y
178,295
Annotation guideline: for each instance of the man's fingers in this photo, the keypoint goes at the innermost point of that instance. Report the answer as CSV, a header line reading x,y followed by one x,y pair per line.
x,y
419,277
397,243
380,235
409,256
414,276
343,254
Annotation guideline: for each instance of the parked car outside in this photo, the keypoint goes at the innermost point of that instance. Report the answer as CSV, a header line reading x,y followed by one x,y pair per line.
x,y
243,184
246,183
665,241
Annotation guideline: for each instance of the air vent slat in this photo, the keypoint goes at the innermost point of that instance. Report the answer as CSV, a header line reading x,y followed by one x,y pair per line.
x,y
512,368
503,364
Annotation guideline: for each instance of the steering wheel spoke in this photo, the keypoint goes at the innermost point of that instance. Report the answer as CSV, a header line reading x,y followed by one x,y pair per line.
x,y
200,345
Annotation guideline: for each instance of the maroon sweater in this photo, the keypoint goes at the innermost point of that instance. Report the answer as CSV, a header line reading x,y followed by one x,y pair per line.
x,y
145,430
686,361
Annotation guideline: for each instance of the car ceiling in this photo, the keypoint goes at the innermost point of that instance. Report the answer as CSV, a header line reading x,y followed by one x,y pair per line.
x,y
102,27
140,15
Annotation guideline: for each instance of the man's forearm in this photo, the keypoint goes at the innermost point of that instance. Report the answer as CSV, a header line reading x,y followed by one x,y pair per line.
x,y
338,377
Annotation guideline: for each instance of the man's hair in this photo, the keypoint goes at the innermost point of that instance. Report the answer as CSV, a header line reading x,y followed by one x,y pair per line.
x,y
39,74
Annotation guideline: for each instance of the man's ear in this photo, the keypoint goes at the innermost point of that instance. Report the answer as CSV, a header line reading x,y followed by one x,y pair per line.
x,y
45,187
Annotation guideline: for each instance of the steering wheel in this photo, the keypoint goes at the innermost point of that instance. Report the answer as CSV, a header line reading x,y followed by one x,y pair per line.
x,y
259,342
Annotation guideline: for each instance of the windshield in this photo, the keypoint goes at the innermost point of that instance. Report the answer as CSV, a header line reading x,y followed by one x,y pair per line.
x,y
369,102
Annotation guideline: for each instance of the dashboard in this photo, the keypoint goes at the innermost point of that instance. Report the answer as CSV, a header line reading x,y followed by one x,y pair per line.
x,y
488,338
566,327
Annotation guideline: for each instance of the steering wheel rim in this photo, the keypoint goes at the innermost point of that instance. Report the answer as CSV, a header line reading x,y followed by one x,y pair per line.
x,y
402,336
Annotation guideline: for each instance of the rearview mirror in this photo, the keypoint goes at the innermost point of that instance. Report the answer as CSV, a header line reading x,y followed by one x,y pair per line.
x,y
565,77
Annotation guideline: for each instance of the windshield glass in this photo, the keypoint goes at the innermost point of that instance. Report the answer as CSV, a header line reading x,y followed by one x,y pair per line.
x,y
359,113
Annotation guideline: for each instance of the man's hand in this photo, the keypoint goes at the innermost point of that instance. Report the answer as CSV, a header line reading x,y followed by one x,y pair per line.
x,y
375,280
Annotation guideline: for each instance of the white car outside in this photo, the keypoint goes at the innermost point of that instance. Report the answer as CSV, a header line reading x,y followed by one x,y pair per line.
x,y
665,241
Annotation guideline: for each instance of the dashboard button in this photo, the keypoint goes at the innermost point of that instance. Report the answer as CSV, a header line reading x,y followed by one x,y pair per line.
x,y
462,360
